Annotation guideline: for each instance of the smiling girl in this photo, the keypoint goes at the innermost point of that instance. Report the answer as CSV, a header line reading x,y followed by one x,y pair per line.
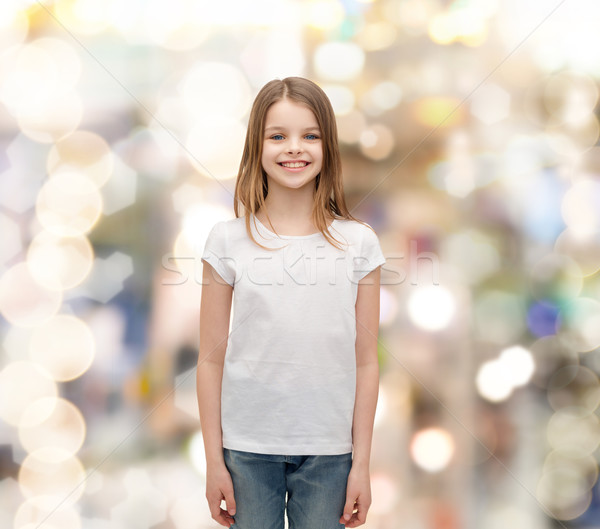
x,y
287,393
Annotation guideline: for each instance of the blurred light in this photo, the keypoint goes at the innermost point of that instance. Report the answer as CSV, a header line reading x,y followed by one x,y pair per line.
x,y
581,207
552,49
341,97
574,386
186,196
20,183
86,17
555,277
69,204
46,512
499,316
388,307
83,151
11,239
64,346
197,222
52,472
59,263
52,119
583,248
574,431
120,191
473,255
377,36
377,142
494,381
185,398
412,16
215,88
144,505
525,156
196,453
464,24
261,13
490,104
47,62
518,361
21,384
432,449
15,341
339,61
323,14
152,151
502,516
550,353
108,276
431,308
175,28
586,467
461,172
439,111
64,428
23,301
579,139
381,98
185,511
14,25
382,407
564,493
351,126
185,266
384,492
542,318
570,98
215,145
275,54
580,324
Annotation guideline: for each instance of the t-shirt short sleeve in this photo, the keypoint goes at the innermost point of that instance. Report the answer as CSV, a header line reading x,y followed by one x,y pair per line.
x,y
370,256
216,253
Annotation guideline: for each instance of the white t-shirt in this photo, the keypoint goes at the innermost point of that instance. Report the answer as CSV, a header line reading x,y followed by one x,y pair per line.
x,y
289,376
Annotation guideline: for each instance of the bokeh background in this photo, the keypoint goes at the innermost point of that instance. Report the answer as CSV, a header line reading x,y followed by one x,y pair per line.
x,y
469,132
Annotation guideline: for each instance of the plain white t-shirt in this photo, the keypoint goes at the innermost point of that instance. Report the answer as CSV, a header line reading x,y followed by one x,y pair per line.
x,y
289,376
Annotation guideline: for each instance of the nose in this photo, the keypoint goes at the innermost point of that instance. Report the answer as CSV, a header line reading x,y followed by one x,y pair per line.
x,y
294,146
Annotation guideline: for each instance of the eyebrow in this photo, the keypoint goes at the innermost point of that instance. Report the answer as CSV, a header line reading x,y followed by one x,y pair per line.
x,y
277,127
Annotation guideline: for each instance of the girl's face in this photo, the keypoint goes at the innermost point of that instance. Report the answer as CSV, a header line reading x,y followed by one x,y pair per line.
x,y
292,153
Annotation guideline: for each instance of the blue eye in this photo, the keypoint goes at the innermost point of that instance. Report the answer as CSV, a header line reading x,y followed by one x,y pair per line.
x,y
312,137
277,137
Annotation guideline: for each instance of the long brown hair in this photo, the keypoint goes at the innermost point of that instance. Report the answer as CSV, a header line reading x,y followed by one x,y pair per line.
x,y
251,187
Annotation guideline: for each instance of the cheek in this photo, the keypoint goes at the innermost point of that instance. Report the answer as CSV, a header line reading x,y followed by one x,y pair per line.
x,y
267,154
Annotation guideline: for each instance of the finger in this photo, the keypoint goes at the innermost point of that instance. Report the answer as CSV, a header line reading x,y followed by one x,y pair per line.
x,y
225,518
230,502
354,521
361,513
348,509
215,509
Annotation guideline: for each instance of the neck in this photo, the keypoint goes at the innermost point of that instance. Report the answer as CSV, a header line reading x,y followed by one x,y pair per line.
x,y
290,204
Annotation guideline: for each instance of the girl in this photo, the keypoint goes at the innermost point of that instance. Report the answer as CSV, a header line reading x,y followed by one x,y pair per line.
x,y
287,395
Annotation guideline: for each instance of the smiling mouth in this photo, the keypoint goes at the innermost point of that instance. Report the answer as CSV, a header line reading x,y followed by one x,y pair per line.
x,y
293,165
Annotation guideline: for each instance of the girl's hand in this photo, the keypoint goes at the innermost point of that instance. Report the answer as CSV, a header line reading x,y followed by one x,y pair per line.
x,y
220,487
358,497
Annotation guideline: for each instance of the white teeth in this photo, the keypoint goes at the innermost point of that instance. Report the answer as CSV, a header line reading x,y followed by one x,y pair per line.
x,y
294,165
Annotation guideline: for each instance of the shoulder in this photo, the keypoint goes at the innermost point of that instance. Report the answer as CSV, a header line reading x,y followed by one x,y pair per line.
x,y
229,227
354,229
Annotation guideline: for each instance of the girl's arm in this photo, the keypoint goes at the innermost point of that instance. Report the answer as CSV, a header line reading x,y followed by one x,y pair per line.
x,y
358,493
215,310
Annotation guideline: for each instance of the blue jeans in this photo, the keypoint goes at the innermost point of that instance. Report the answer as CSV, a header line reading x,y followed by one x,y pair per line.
x,y
315,486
